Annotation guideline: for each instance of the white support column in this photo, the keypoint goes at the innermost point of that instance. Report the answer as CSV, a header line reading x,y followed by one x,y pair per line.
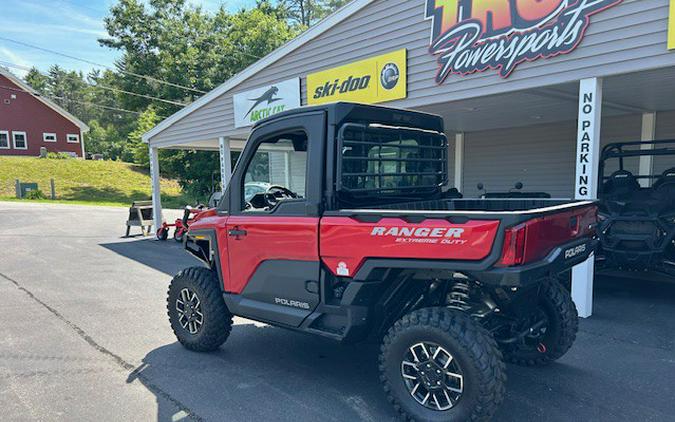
x,y
225,162
156,198
586,184
459,161
287,170
648,133
84,155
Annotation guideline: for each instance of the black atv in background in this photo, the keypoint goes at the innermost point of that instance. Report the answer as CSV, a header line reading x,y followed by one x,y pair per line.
x,y
637,220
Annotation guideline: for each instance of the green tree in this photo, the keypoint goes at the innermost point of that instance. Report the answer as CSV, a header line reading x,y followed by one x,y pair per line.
x,y
37,80
135,149
104,140
102,90
308,12
197,171
173,41
182,44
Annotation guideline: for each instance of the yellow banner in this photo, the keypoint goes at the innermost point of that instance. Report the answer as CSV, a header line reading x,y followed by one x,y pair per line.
x,y
373,80
671,26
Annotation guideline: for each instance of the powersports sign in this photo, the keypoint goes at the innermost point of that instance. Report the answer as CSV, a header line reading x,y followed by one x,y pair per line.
x,y
251,106
373,80
471,36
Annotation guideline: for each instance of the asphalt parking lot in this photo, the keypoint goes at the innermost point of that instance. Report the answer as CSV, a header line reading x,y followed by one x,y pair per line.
x,y
84,336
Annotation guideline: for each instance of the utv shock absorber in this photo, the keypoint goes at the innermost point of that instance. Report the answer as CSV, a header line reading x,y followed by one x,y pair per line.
x,y
458,296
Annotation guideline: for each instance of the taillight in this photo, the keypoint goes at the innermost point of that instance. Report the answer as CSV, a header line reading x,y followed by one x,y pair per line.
x,y
513,252
536,238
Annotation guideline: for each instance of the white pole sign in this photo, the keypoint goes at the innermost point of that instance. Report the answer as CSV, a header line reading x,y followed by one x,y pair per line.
x,y
586,186
256,104
588,138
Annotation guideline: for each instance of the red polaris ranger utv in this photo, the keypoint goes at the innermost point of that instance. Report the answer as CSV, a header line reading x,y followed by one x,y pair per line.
x,y
357,237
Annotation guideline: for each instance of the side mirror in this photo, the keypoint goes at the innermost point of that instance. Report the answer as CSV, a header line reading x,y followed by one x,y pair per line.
x,y
519,185
480,186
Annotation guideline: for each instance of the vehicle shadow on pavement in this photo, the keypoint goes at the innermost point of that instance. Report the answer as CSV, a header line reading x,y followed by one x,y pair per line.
x,y
268,373
168,256
619,369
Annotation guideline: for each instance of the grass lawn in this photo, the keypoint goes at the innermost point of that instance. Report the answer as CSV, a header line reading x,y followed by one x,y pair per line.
x,y
86,182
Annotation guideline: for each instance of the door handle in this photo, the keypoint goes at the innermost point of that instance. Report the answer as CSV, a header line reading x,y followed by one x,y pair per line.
x,y
236,232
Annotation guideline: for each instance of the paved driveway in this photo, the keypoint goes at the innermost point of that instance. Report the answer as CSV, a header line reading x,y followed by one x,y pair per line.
x,y
84,336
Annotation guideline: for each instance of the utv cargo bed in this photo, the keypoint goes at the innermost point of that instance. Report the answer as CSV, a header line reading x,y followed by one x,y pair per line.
x,y
475,206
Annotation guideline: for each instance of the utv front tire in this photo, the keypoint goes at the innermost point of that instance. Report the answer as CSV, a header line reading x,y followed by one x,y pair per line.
x,y
197,313
562,322
454,361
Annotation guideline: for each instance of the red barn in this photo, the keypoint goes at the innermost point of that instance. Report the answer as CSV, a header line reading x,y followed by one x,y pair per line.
x,y
29,121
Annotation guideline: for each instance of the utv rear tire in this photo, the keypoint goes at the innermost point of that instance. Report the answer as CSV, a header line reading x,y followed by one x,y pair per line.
x,y
472,350
561,329
211,320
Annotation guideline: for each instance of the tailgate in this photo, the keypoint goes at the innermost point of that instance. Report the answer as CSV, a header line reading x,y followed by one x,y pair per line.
x,y
345,242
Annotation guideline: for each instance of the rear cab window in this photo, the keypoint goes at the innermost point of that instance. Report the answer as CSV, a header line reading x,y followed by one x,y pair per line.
x,y
386,161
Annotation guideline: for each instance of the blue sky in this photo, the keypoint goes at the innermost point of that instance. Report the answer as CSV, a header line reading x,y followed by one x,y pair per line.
x,y
68,26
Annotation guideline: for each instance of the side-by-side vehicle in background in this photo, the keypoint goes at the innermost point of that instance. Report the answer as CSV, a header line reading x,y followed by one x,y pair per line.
x,y
637,207
363,241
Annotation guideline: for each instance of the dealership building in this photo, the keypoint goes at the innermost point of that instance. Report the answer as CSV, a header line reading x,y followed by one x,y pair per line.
x,y
530,90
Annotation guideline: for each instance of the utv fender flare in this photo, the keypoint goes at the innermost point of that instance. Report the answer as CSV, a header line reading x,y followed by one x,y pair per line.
x,y
203,244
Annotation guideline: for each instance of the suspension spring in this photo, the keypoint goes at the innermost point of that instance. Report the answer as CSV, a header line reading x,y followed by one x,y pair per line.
x,y
458,296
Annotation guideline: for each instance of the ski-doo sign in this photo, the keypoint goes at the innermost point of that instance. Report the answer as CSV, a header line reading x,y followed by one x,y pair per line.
x,y
469,36
251,106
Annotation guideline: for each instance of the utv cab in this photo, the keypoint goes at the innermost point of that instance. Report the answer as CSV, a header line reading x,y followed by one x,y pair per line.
x,y
637,207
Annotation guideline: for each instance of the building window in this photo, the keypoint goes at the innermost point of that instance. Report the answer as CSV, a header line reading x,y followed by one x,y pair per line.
x,y
20,141
49,137
73,139
4,139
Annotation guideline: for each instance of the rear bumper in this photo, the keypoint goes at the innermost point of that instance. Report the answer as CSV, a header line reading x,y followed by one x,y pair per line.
x,y
558,261
635,243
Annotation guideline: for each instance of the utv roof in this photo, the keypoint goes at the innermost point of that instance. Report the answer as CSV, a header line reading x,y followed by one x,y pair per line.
x,y
354,112
637,149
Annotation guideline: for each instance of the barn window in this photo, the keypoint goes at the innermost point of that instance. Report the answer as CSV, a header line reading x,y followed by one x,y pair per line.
x,y
20,141
49,137
73,138
4,139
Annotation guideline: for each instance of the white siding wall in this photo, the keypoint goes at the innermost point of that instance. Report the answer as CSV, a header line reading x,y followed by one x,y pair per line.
x,y
277,168
296,172
541,157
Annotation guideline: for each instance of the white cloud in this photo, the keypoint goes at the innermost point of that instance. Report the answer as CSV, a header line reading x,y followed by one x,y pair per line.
x,y
62,11
10,56
50,29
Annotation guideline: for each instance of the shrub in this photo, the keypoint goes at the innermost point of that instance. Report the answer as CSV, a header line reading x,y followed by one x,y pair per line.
x,y
35,194
58,155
